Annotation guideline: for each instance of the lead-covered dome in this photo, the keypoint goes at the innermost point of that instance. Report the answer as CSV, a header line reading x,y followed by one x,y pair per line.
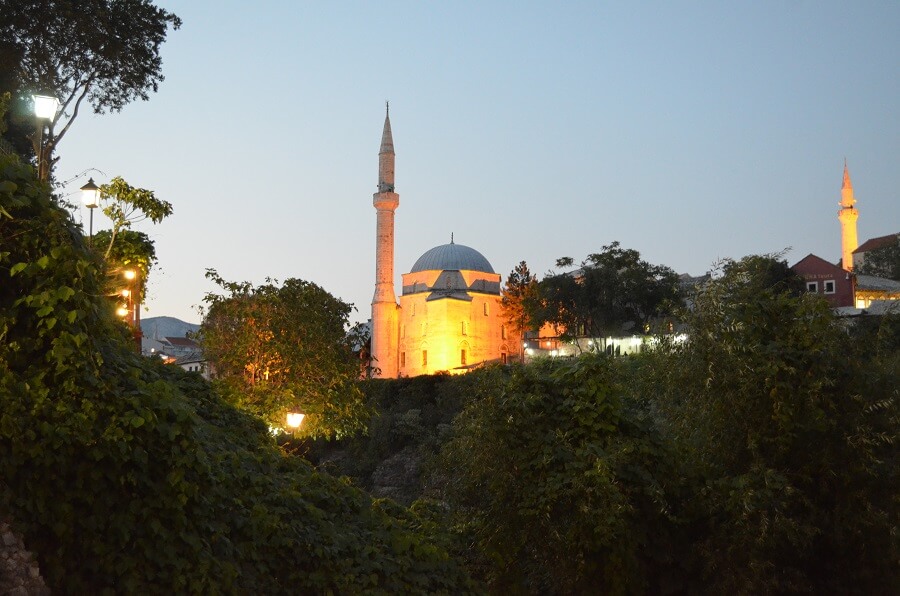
x,y
452,257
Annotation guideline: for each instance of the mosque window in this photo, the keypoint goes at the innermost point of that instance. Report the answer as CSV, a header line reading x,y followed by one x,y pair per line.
x,y
465,328
424,357
423,327
502,331
462,357
487,309
504,358
403,330
812,286
402,359
829,287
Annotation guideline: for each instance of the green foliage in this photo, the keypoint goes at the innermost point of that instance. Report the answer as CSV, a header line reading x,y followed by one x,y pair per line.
x,y
519,296
555,482
131,250
275,348
614,292
127,205
102,51
127,476
411,420
792,430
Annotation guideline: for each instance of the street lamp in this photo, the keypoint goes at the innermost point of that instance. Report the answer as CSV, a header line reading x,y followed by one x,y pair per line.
x,y
295,419
90,195
134,305
45,108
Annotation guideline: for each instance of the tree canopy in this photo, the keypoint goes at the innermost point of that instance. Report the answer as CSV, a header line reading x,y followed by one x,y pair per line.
x,y
613,292
279,347
519,296
102,52
789,426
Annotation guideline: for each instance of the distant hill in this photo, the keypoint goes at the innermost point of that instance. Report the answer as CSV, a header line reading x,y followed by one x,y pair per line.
x,y
160,327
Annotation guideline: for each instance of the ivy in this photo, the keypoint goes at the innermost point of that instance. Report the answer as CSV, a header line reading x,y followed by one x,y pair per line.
x,y
125,475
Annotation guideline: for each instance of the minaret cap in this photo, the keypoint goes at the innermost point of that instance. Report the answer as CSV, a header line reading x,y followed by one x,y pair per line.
x,y
387,139
846,183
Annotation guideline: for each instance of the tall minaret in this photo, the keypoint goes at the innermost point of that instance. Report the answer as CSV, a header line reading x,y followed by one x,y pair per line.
x,y
385,319
847,216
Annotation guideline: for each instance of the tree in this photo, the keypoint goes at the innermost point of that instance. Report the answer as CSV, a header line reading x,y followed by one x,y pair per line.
x,y
275,348
104,52
556,483
883,261
132,250
791,429
519,294
127,205
613,292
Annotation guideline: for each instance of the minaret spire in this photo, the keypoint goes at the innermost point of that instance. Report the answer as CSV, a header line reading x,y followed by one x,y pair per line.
x,y
847,215
385,315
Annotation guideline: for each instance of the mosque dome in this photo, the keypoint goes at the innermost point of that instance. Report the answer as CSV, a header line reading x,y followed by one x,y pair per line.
x,y
452,257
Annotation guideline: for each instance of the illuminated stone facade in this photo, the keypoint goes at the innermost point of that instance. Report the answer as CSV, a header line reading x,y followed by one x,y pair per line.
x,y
847,215
449,316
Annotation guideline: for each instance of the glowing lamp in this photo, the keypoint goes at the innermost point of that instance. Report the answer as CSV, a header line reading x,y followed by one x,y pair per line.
x,y
45,106
90,194
129,274
295,419
122,311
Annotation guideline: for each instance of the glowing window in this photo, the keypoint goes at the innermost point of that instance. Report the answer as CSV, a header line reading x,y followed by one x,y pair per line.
x,y
503,358
462,357
812,286
829,287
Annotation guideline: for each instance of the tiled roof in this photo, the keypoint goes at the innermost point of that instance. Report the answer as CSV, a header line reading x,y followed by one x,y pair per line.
x,y
881,284
874,243
182,342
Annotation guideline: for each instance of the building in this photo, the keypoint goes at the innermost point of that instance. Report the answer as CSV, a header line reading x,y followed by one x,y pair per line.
x,y
840,285
448,318
847,215
827,279
873,244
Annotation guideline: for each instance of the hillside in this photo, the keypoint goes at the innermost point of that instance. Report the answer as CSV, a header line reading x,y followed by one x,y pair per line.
x,y
160,327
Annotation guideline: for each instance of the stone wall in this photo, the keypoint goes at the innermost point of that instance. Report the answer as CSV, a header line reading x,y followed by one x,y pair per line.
x,y
19,572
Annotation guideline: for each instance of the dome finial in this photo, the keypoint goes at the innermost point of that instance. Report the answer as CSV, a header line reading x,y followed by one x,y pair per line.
x,y
451,237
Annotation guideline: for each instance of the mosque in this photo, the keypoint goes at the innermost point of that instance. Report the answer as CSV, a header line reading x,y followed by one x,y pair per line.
x,y
449,315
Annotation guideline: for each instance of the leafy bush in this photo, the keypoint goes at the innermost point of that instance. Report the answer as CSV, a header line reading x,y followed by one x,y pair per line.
x,y
127,476
556,483
789,427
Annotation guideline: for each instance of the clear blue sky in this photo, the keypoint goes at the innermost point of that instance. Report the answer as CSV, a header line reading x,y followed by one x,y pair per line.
x,y
689,131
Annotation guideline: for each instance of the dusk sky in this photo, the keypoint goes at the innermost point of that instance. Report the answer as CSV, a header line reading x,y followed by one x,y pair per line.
x,y
689,131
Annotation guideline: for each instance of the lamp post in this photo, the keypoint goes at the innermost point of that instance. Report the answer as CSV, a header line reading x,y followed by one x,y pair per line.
x,y
45,108
133,307
90,195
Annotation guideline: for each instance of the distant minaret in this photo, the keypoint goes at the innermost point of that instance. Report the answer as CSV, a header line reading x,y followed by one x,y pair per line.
x,y
847,216
385,320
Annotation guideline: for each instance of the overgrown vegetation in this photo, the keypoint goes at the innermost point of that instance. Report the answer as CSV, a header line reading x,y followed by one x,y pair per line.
x,y
758,456
127,476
